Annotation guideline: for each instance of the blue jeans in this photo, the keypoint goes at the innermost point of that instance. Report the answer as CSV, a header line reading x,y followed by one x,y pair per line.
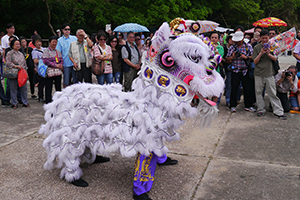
x,y
294,102
105,77
117,77
68,72
228,86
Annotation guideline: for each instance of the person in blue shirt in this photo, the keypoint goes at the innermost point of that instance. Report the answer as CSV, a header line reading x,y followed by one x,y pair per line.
x,y
63,45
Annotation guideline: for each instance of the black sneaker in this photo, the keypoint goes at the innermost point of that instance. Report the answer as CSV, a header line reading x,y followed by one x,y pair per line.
x,y
26,105
41,101
5,104
282,117
33,96
143,196
80,183
169,161
14,107
101,159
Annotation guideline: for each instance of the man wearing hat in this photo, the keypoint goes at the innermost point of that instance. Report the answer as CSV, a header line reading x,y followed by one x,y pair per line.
x,y
58,32
240,55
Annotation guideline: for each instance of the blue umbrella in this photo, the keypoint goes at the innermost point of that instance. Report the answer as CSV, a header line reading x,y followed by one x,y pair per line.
x,y
133,27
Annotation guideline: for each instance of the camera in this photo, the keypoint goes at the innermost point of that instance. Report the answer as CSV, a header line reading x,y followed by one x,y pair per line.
x,y
266,45
238,53
287,73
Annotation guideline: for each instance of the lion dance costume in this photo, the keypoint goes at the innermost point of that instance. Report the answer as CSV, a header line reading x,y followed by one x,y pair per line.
x,y
85,119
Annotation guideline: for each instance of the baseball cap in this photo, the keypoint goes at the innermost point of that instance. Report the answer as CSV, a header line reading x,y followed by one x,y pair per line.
x,y
238,36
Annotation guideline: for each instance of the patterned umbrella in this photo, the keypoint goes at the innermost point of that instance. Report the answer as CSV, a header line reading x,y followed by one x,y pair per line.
x,y
270,21
207,26
134,27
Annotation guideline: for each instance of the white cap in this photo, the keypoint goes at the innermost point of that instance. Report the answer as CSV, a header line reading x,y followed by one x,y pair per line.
x,y
238,36
246,40
57,30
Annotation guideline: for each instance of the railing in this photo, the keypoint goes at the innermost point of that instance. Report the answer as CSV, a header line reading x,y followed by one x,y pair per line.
x,y
45,42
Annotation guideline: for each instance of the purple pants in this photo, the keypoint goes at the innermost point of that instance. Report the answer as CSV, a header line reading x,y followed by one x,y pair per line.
x,y
144,172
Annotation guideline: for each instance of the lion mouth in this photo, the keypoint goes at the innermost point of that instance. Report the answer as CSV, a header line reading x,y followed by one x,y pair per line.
x,y
187,80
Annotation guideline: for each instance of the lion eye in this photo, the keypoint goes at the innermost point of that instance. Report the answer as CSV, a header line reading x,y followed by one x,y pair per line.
x,y
194,58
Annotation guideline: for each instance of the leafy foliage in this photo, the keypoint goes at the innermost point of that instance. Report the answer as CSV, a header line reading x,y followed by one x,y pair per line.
x,y
92,15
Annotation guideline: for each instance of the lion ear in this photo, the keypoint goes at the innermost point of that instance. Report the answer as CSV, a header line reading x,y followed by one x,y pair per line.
x,y
161,35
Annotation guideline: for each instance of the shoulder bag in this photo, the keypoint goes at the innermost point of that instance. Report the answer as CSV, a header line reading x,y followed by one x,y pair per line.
x,y
11,73
97,67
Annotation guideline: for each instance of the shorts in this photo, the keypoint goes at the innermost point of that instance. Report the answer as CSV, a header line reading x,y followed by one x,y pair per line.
x,y
294,102
67,75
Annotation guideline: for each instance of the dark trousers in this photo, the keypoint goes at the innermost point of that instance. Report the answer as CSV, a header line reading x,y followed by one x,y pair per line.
x,y
83,74
284,101
128,78
31,81
49,84
236,78
41,86
86,73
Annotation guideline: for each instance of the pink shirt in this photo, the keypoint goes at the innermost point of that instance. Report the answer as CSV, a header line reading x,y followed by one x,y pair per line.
x,y
107,51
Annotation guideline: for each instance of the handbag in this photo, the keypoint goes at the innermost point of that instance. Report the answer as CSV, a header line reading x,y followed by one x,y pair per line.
x,y
22,77
276,66
42,69
53,71
11,73
97,67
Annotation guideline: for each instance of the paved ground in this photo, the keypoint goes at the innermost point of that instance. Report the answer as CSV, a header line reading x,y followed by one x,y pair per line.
x,y
241,156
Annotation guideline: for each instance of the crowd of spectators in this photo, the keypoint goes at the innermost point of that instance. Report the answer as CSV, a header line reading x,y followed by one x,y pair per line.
x,y
247,66
69,60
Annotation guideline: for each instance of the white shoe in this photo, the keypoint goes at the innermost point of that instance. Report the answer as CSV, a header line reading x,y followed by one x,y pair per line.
x,y
250,109
233,109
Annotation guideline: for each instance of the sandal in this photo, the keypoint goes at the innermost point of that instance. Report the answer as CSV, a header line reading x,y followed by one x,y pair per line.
x,y
26,105
14,106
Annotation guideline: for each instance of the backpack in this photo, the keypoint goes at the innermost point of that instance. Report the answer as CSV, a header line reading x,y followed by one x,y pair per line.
x,y
125,66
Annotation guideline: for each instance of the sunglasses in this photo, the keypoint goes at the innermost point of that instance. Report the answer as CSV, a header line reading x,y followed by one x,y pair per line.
x,y
102,40
137,39
67,29
114,41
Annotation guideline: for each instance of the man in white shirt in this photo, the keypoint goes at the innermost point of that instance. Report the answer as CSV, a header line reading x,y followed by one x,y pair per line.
x,y
10,28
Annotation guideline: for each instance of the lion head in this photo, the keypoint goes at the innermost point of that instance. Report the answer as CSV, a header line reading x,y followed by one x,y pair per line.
x,y
188,58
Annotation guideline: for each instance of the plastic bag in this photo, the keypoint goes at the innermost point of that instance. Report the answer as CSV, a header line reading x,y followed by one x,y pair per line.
x,y
22,77
42,69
